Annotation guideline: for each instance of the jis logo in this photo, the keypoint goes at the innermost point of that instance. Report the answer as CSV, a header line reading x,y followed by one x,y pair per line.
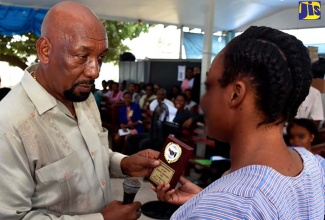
x,y
309,10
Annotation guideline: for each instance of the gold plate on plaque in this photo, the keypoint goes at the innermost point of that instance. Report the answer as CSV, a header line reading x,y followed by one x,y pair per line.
x,y
172,152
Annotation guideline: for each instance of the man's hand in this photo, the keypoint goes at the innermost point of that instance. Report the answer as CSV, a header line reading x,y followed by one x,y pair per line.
x,y
116,210
141,163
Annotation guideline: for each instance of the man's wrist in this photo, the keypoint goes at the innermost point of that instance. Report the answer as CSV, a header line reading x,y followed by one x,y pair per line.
x,y
123,165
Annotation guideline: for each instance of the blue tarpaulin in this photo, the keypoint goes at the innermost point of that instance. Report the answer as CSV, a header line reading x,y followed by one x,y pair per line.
x,y
20,20
193,44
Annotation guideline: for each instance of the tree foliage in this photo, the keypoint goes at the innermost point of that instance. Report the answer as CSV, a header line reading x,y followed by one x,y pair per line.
x,y
15,50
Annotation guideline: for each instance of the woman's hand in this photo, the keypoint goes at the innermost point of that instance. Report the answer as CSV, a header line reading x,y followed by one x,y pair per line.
x,y
178,196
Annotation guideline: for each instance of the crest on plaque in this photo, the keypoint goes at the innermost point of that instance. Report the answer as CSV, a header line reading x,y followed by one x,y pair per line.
x,y
172,152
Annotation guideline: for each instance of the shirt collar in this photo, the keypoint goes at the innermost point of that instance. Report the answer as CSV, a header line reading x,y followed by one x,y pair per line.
x,y
42,100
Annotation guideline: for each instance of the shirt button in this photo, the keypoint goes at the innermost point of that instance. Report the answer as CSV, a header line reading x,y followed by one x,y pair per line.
x,y
92,154
66,176
103,183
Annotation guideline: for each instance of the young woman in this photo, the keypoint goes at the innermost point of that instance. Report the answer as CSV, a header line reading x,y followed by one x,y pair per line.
x,y
115,95
188,81
302,132
129,117
254,85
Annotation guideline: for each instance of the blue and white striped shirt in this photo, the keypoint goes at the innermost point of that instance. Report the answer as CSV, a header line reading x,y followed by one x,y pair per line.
x,y
260,192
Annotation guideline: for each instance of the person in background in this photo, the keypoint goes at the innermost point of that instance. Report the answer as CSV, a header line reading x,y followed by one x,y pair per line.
x,y
129,117
148,97
161,98
249,97
175,91
104,93
115,95
142,88
161,110
312,107
56,162
302,132
122,86
182,114
135,95
139,91
196,88
188,81
156,86
190,104
110,84
97,95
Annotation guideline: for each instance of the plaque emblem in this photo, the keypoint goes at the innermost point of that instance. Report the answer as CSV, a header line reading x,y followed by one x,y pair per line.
x,y
172,152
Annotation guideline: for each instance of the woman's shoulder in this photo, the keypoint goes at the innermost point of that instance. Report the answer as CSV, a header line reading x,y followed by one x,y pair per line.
x,y
135,105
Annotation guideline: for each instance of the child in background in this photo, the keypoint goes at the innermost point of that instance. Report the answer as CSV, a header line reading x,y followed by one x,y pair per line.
x,y
302,132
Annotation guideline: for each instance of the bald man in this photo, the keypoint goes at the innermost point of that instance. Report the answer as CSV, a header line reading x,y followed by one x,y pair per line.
x,y
55,162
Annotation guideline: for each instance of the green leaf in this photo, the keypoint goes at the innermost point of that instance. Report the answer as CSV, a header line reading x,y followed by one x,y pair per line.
x,y
15,50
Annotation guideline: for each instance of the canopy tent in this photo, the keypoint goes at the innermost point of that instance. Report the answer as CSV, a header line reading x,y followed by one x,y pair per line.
x,y
233,15
209,15
20,20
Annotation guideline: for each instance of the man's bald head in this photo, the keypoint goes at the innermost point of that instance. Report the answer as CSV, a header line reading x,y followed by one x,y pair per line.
x,y
68,17
71,51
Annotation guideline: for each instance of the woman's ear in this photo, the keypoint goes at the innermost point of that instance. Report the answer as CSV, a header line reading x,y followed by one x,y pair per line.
x,y
312,137
43,47
238,93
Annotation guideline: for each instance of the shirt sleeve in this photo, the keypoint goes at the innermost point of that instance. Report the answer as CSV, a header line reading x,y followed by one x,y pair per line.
x,y
228,206
317,112
153,105
18,185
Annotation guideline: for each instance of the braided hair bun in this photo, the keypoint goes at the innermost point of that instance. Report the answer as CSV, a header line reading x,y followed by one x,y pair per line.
x,y
278,67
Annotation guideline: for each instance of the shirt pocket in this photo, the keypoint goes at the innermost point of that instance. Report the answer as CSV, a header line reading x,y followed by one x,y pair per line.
x,y
63,180
103,137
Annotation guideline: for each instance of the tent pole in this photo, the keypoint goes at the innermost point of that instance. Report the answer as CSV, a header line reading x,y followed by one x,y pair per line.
x,y
181,43
207,43
206,56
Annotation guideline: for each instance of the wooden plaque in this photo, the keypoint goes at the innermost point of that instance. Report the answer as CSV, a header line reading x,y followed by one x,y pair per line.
x,y
173,159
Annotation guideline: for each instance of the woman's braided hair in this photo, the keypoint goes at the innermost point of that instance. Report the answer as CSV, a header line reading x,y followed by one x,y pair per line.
x,y
278,67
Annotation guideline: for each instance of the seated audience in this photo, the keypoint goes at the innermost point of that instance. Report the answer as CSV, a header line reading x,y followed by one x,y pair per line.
x,y
115,95
190,104
130,118
161,98
142,90
174,92
160,128
148,97
156,86
97,95
104,93
196,88
135,94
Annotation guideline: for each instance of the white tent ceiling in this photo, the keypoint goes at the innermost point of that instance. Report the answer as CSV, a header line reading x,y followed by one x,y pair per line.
x,y
229,14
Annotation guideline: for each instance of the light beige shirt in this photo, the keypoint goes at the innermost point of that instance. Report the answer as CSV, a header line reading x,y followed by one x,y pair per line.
x,y
52,166
144,105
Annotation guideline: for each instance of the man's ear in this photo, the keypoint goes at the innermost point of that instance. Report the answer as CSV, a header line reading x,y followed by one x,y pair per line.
x,y
238,93
43,47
